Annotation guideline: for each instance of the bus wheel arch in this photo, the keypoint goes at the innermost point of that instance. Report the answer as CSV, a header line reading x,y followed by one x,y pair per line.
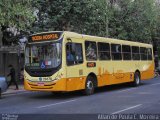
x,y
90,84
137,78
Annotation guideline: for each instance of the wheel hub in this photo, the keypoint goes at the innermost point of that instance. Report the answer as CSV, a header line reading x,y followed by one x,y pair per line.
x,y
90,85
137,80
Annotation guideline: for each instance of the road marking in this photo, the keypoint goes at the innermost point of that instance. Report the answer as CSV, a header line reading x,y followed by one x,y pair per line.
x,y
136,88
12,94
126,90
127,109
154,84
144,93
56,104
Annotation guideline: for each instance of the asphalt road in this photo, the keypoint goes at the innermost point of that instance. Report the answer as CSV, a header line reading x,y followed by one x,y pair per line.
x,y
116,99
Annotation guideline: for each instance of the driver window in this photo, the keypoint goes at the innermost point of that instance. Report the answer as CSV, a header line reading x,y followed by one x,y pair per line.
x,y
74,53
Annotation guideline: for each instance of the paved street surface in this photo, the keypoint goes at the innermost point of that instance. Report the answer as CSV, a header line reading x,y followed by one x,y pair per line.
x,y
117,99
11,89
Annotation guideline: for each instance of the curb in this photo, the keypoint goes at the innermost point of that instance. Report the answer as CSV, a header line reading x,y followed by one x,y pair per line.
x,y
13,92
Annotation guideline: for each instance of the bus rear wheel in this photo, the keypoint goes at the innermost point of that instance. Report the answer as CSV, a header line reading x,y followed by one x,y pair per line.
x,y
89,86
137,79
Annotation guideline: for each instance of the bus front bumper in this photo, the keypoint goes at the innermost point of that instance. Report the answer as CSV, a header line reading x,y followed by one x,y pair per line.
x,y
59,85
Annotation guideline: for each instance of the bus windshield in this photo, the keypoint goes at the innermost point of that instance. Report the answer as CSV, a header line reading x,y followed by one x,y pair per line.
x,y
43,56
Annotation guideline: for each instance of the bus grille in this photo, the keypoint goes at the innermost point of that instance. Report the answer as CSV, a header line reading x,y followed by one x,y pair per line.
x,y
47,86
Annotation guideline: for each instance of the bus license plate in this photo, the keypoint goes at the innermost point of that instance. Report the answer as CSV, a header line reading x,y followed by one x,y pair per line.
x,y
40,84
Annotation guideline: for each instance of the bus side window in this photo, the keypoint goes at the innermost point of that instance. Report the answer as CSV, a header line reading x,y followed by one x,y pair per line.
x,y
116,52
104,51
143,52
90,50
135,53
74,53
149,54
126,51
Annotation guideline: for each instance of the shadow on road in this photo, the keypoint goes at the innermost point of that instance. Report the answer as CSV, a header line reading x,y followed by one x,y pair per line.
x,y
76,94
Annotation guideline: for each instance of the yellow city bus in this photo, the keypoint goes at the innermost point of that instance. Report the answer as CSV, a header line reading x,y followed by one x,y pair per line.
x,y
66,61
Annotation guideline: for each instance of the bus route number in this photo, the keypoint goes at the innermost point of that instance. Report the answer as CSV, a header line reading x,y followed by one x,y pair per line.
x,y
91,64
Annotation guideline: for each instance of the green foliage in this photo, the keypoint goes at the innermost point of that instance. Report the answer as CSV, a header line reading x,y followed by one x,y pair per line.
x,y
85,16
16,13
136,20
123,19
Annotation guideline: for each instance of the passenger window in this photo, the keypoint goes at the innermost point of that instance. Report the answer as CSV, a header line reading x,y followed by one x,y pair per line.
x,y
135,53
143,52
104,51
126,51
74,54
90,50
149,53
116,52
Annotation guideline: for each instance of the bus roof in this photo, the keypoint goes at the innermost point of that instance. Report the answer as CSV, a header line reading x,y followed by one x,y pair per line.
x,y
96,38
117,41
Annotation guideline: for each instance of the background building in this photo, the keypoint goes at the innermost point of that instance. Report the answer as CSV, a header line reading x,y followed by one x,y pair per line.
x,y
10,55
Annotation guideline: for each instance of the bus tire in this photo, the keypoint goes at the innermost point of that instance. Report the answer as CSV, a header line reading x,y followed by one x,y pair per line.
x,y
137,79
56,93
89,86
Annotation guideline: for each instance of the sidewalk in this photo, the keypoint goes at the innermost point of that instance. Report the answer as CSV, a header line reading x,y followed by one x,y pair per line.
x,y
11,89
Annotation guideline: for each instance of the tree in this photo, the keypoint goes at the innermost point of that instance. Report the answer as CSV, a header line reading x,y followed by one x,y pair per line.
x,y
15,14
85,16
18,13
157,28
133,20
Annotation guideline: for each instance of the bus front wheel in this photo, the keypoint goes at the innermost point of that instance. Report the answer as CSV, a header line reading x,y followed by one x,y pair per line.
x,y
89,86
137,79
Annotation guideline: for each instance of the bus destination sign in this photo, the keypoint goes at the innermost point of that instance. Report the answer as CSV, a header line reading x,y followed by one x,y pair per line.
x,y
45,37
